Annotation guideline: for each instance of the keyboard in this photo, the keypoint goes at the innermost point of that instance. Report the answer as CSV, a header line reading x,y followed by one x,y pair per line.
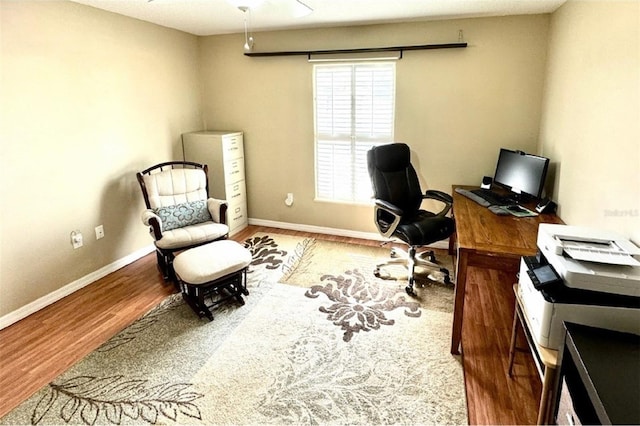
x,y
474,197
492,198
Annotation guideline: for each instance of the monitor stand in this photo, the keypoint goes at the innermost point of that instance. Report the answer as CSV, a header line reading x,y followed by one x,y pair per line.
x,y
519,198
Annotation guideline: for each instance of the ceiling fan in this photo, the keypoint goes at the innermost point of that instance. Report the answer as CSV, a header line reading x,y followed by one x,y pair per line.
x,y
294,8
299,9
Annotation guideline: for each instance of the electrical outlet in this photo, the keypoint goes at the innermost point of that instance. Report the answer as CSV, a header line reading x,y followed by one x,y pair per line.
x,y
76,239
289,200
99,232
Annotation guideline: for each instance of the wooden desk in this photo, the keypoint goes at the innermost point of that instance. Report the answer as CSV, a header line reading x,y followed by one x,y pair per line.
x,y
487,240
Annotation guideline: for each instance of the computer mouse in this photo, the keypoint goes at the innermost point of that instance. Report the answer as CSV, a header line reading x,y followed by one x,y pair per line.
x,y
498,210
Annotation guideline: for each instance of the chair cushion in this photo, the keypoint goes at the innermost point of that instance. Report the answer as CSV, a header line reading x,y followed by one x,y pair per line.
x,y
207,263
424,228
191,235
183,214
175,186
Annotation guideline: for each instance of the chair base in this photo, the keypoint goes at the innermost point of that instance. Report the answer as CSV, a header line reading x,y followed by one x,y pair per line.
x,y
410,260
203,298
165,266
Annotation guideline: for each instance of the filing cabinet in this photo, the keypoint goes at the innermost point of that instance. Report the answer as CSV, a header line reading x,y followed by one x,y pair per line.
x,y
223,153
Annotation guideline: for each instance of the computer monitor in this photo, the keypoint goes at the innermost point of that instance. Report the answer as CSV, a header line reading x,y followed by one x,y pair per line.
x,y
522,174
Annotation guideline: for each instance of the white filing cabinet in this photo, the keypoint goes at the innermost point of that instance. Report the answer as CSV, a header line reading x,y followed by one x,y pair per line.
x,y
223,153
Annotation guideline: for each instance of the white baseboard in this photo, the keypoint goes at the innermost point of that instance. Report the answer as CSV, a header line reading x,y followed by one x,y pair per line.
x,y
333,231
76,285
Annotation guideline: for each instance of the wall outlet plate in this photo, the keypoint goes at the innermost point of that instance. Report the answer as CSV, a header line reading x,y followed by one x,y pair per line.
x,y
99,232
76,239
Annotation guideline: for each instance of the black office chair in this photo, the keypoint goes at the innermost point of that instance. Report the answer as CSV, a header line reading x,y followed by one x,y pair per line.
x,y
397,212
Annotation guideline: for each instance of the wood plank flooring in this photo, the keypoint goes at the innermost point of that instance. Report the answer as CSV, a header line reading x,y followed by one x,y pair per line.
x,y
492,396
38,348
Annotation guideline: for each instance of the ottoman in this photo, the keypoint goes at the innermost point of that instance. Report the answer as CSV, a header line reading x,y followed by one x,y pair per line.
x,y
211,274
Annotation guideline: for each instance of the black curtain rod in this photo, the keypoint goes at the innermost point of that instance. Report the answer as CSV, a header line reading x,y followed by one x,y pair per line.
x,y
308,53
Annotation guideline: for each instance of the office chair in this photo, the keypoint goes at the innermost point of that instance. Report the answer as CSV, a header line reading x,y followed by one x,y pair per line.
x,y
179,212
397,212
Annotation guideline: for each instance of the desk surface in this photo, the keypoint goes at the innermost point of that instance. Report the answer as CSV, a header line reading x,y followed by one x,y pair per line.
x,y
487,240
482,231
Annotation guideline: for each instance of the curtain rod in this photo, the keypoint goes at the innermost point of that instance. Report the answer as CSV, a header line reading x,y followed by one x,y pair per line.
x,y
401,49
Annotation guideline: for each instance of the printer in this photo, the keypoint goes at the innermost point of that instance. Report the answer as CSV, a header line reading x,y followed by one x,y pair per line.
x,y
580,275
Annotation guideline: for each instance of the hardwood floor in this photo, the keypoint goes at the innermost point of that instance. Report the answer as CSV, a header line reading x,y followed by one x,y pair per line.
x,y
492,396
38,348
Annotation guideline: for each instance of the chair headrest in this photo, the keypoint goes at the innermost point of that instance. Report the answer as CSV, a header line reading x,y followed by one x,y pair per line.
x,y
391,157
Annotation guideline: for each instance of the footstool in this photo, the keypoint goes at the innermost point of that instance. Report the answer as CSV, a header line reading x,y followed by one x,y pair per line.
x,y
216,272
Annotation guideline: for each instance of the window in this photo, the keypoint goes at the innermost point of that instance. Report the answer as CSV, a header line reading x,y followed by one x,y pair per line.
x,y
354,110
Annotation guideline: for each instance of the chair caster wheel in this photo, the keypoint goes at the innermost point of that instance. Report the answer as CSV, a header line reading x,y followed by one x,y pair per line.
x,y
432,257
410,291
376,272
393,253
447,279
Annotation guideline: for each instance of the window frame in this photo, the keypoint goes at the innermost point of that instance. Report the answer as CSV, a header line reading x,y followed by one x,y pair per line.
x,y
355,142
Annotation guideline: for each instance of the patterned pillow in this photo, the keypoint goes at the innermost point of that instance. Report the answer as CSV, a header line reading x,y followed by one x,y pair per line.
x,y
181,215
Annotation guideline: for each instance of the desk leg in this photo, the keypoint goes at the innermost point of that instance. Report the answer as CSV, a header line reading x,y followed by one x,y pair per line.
x,y
546,396
452,244
458,303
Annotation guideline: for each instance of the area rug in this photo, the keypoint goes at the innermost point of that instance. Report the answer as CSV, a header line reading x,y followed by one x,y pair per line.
x,y
319,341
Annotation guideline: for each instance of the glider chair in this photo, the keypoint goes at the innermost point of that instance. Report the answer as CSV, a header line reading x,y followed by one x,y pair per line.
x,y
180,215
397,213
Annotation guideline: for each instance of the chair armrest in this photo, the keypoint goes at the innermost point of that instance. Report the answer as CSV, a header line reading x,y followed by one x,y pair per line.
x,y
218,210
443,197
386,217
387,206
152,220
439,195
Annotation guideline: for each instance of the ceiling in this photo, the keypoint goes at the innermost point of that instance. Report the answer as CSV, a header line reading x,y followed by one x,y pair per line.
x,y
209,17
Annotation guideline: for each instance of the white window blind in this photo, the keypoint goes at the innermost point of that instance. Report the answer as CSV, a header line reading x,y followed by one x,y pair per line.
x,y
354,110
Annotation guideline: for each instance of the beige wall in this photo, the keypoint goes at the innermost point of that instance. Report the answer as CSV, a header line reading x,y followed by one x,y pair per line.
x,y
88,98
455,108
591,121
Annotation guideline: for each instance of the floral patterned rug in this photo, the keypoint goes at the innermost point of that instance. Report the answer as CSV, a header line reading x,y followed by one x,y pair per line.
x,y
320,340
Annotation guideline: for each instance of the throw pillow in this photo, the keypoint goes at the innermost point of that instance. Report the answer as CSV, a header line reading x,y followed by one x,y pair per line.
x,y
184,214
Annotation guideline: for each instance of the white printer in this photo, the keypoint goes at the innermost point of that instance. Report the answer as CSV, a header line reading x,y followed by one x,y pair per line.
x,y
581,275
